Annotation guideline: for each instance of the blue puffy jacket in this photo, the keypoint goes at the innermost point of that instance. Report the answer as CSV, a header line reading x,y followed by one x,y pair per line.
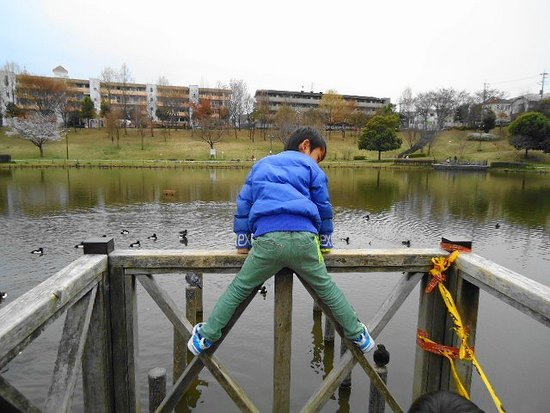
x,y
284,192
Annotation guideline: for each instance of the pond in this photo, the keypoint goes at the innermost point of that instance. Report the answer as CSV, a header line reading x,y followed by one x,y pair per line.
x,y
507,216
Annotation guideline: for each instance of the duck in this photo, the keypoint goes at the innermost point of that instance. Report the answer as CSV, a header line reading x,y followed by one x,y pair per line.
x,y
263,291
346,239
81,245
124,232
407,243
367,217
153,237
497,225
3,295
135,244
183,240
183,233
381,356
39,251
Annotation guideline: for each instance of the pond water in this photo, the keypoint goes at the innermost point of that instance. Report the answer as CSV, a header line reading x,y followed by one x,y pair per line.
x,y
507,216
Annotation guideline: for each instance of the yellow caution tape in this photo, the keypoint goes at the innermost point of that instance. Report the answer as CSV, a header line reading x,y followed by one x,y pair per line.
x,y
466,352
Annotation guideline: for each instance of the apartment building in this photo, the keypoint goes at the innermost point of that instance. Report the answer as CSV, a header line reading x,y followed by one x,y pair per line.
x,y
22,90
303,101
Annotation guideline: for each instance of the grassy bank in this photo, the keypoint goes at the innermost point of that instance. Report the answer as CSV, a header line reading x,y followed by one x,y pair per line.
x,y
94,147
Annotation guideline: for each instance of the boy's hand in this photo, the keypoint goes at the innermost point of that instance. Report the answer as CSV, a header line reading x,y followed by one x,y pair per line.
x,y
242,250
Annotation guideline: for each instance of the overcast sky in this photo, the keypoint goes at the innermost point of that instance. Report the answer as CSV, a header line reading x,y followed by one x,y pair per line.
x,y
374,48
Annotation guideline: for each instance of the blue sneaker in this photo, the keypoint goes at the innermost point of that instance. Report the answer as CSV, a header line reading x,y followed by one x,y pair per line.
x,y
197,343
365,342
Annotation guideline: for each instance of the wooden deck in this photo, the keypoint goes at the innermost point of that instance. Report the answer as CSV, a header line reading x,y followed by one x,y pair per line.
x,y
98,293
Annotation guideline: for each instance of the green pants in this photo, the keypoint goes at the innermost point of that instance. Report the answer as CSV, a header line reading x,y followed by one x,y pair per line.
x,y
270,253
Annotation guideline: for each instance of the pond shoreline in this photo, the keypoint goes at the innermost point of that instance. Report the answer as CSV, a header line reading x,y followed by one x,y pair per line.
x,y
236,164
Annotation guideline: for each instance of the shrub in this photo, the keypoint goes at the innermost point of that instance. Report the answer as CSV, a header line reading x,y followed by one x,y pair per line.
x,y
482,137
359,157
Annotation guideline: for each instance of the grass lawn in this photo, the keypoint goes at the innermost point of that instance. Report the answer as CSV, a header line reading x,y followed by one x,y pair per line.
x,y
94,145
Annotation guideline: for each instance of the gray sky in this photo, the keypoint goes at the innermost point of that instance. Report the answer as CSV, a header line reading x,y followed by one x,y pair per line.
x,y
354,47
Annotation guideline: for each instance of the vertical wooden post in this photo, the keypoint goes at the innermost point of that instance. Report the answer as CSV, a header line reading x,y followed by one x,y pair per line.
x,y
157,387
283,340
329,331
198,299
466,296
433,372
377,403
180,344
97,365
96,359
124,339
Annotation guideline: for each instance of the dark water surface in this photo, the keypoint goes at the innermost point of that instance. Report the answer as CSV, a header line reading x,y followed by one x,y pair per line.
x,y
506,216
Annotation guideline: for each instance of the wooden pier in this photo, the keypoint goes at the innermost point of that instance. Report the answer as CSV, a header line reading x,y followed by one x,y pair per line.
x,y
99,339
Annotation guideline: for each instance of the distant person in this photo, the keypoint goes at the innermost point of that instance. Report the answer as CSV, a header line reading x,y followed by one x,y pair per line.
x,y
443,402
284,219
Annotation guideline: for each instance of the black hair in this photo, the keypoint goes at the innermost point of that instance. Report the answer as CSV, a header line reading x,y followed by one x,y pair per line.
x,y
316,139
443,402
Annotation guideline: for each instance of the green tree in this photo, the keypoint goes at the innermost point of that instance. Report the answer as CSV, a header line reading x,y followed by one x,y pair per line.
x,y
380,134
530,131
87,109
105,108
489,120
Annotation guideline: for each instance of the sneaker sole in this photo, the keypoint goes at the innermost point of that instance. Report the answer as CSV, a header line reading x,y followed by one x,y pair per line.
x,y
370,347
190,345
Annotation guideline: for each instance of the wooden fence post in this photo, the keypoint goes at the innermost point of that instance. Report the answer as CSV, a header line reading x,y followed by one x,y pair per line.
x,y
432,371
97,371
329,331
180,344
157,387
377,403
283,338
123,339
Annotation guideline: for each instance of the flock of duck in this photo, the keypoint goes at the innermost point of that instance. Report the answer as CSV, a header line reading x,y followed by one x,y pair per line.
x,y
153,237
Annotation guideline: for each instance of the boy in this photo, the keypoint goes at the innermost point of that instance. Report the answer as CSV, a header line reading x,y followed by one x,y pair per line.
x,y
285,203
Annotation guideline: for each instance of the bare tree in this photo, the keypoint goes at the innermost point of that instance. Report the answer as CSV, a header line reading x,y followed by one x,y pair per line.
x,y
488,94
44,94
285,119
125,77
445,102
424,108
108,77
213,127
332,105
407,113
39,128
240,103
8,82
112,124
171,102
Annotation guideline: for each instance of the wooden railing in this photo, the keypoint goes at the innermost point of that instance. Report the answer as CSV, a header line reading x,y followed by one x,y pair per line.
x,y
98,291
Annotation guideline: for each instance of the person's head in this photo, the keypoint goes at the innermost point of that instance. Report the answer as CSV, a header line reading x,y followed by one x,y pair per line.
x,y
309,141
443,402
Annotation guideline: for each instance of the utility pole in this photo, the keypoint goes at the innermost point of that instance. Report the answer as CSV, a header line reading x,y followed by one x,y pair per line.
x,y
543,74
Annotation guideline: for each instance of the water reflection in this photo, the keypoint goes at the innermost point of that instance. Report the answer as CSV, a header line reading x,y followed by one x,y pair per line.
x,y
521,199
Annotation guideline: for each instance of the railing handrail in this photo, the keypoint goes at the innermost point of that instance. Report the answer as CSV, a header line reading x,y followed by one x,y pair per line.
x,y
522,293
228,261
24,318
